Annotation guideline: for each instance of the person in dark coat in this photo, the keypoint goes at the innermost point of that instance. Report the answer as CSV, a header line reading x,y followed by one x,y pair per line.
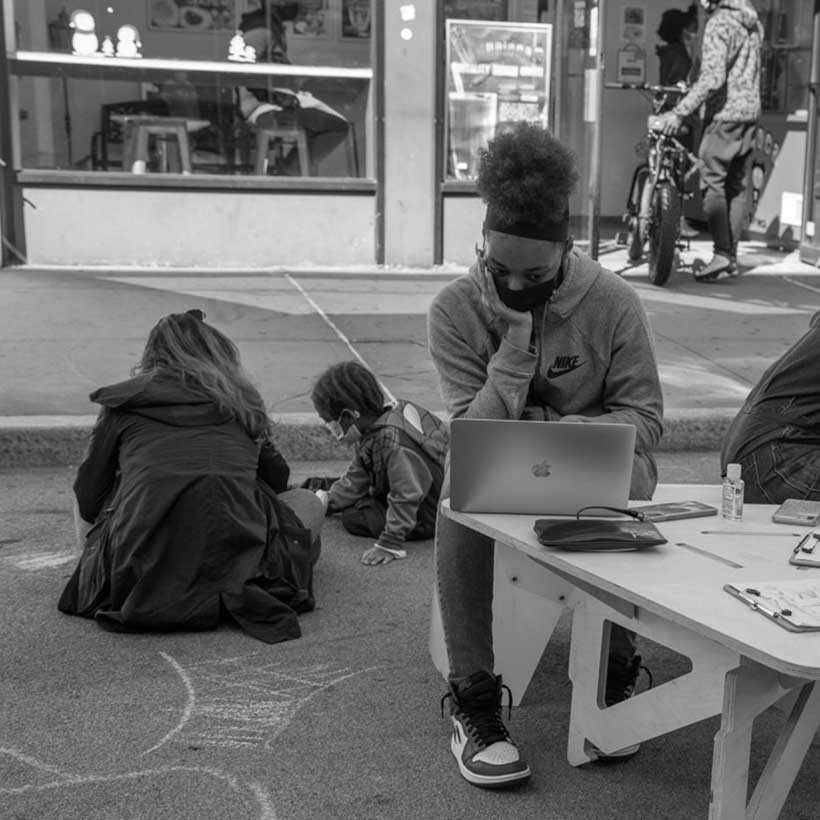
x,y
182,509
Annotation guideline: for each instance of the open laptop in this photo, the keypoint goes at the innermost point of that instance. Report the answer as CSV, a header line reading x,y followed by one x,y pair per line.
x,y
539,467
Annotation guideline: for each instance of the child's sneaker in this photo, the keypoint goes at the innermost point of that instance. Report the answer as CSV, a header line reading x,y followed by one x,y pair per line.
x,y
480,743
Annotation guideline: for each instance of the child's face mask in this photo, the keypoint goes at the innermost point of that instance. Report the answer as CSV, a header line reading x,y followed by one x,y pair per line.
x,y
351,435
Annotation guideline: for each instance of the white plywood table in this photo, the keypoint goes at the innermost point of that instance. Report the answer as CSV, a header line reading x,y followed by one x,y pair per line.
x,y
742,663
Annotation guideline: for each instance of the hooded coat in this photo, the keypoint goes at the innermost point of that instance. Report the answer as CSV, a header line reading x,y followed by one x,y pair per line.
x,y
186,525
729,78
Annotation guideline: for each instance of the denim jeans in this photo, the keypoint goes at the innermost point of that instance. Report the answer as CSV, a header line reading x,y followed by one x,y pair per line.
x,y
465,567
779,470
725,149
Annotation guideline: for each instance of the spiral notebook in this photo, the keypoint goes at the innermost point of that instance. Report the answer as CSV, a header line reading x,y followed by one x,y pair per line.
x,y
794,605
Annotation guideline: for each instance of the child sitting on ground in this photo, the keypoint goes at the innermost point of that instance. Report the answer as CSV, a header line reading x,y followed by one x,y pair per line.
x,y
391,489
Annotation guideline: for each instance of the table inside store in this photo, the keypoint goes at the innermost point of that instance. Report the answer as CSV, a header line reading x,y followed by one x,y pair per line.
x,y
742,662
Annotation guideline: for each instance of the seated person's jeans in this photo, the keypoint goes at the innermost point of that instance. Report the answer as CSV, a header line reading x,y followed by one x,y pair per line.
x,y
465,565
777,470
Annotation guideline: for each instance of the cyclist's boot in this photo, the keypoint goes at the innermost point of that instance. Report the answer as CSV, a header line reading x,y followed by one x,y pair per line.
x,y
720,267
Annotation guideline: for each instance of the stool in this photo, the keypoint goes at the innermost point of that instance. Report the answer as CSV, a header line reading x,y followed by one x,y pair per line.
x,y
164,129
287,134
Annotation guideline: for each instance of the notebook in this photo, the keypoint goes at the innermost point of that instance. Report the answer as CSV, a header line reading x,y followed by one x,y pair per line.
x,y
539,467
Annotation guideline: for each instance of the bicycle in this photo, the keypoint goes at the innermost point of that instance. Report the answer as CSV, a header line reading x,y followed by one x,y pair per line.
x,y
658,189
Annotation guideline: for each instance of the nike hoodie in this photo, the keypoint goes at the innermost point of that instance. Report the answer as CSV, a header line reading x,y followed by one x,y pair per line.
x,y
593,356
729,78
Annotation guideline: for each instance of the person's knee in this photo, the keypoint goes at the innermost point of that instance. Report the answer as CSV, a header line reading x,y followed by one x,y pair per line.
x,y
307,506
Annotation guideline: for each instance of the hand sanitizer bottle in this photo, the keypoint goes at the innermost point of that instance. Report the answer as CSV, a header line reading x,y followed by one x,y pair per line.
x,y
733,493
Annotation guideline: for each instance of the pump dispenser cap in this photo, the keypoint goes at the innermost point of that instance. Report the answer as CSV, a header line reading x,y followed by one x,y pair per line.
x,y
733,471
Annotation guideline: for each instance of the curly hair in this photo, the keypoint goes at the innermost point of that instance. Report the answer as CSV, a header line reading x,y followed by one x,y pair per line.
x,y
525,173
347,386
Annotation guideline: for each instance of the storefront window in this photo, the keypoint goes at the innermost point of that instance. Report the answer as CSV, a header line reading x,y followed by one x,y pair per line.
x,y
498,73
173,86
786,57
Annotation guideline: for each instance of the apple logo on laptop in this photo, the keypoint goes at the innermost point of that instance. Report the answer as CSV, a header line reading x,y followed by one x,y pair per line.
x,y
542,469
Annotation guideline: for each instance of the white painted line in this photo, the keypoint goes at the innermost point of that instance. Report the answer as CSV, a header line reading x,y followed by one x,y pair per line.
x,y
329,322
723,302
800,284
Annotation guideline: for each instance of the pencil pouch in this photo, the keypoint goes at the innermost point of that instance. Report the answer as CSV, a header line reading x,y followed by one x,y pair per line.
x,y
596,535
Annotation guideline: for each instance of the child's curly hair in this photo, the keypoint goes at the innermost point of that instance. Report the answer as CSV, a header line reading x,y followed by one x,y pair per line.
x,y
525,173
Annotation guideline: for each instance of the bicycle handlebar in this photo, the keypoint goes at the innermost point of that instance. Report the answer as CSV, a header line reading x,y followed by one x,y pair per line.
x,y
648,87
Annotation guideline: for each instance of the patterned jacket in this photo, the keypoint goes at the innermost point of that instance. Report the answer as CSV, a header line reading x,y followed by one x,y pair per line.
x,y
729,79
400,461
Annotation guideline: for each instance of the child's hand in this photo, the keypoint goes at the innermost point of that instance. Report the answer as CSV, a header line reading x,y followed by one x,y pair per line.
x,y
324,497
379,554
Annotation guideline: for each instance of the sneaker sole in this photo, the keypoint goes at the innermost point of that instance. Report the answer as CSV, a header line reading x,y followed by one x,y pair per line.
x,y
613,757
484,780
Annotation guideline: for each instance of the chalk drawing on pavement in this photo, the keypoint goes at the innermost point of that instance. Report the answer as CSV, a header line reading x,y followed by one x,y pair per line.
x,y
32,561
251,793
244,702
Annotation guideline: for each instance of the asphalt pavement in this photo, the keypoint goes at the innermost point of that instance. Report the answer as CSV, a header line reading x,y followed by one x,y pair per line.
x,y
64,332
344,722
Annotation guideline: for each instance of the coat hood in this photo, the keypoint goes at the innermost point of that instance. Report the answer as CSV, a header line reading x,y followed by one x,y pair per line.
x,y
424,429
743,10
165,400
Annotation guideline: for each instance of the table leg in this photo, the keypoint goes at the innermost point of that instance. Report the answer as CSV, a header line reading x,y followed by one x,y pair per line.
x,y
750,690
672,705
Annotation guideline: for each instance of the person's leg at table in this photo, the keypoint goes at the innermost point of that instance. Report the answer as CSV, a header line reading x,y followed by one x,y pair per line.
x,y
481,744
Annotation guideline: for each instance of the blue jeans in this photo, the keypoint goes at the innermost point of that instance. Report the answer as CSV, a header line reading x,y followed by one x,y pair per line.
x,y
464,576
779,470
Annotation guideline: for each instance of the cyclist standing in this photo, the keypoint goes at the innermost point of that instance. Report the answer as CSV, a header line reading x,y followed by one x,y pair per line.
x,y
729,86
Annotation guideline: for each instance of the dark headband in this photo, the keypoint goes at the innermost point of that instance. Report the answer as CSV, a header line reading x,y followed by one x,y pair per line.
x,y
546,230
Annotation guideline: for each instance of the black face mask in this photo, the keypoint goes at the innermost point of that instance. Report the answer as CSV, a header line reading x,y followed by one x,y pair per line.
x,y
529,298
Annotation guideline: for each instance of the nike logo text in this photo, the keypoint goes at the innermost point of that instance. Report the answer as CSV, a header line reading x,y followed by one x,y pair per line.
x,y
563,365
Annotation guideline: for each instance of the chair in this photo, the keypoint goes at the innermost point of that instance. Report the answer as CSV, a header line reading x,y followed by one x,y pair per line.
x,y
274,139
138,132
107,143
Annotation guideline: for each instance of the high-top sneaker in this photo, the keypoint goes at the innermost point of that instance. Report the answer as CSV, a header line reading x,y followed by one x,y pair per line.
x,y
480,742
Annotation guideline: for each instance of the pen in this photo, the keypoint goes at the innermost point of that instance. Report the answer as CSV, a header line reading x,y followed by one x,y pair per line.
x,y
744,532
803,540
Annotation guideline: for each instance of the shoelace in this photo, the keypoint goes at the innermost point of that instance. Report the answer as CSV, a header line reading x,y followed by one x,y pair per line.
x,y
484,726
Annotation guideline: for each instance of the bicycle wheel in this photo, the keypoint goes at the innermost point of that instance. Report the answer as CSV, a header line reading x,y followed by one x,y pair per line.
x,y
664,227
636,237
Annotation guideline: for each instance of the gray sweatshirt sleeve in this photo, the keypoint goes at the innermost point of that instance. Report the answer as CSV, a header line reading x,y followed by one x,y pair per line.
x,y
632,388
471,387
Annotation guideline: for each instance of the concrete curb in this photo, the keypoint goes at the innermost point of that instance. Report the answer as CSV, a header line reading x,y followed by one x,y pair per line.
x,y
51,441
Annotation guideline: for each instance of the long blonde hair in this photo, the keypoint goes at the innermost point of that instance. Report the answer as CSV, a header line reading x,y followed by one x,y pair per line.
x,y
182,346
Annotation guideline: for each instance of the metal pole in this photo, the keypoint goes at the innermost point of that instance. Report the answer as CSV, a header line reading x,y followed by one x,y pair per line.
x,y
809,171
597,16
557,68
